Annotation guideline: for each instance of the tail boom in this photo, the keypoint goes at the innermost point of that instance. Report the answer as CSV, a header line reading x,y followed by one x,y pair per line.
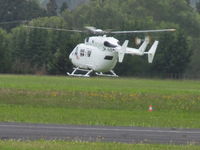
x,y
140,51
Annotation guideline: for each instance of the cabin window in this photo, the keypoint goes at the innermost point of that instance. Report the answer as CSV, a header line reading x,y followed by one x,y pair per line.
x,y
108,58
89,53
82,52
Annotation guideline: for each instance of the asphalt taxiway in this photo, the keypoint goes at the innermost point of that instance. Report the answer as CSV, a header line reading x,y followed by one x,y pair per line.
x,y
25,131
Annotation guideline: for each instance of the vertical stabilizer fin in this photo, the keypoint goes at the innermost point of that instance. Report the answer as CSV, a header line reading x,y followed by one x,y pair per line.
x,y
122,51
152,51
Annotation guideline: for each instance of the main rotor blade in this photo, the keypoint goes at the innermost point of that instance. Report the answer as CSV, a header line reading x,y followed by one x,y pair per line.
x,y
143,31
56,29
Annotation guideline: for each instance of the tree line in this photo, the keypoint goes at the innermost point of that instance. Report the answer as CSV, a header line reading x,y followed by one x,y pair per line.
x,y
26,50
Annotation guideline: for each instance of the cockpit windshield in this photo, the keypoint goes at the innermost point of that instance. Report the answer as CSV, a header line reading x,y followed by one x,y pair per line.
x,y
108,44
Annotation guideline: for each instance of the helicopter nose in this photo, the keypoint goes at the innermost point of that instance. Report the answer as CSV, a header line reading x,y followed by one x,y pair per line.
x,y
70,56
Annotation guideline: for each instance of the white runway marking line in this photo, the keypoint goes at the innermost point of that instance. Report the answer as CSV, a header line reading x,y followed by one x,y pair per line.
x,y
100,129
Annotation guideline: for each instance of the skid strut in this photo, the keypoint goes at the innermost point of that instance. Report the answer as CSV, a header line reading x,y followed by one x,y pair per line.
x,y
87,74
112,74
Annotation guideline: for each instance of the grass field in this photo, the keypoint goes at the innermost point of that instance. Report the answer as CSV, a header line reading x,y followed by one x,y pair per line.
x,y
61,145
100,101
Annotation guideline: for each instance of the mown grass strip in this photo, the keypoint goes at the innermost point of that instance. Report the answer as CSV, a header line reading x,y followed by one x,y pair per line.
x,y
100,101
124,85
61,145
23,113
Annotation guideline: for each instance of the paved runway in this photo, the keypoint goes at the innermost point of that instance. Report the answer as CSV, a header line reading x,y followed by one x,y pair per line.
x,y
97,133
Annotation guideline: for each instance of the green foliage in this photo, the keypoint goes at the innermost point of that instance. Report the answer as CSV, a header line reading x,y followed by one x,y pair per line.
x,y
40,50
5,58
198,7
174,54
59,63
63,7
15,10
52,8
46,51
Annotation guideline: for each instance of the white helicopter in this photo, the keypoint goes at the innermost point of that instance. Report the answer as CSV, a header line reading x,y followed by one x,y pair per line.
x,y
101,53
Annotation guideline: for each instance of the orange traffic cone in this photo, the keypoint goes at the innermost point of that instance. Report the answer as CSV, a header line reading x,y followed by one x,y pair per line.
x,y
150,108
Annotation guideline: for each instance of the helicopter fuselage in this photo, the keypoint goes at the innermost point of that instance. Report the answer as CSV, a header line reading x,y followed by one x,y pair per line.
x,y
97,53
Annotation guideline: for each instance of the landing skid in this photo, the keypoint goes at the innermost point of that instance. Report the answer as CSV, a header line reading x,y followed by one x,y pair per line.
x,y
87,74
113,74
